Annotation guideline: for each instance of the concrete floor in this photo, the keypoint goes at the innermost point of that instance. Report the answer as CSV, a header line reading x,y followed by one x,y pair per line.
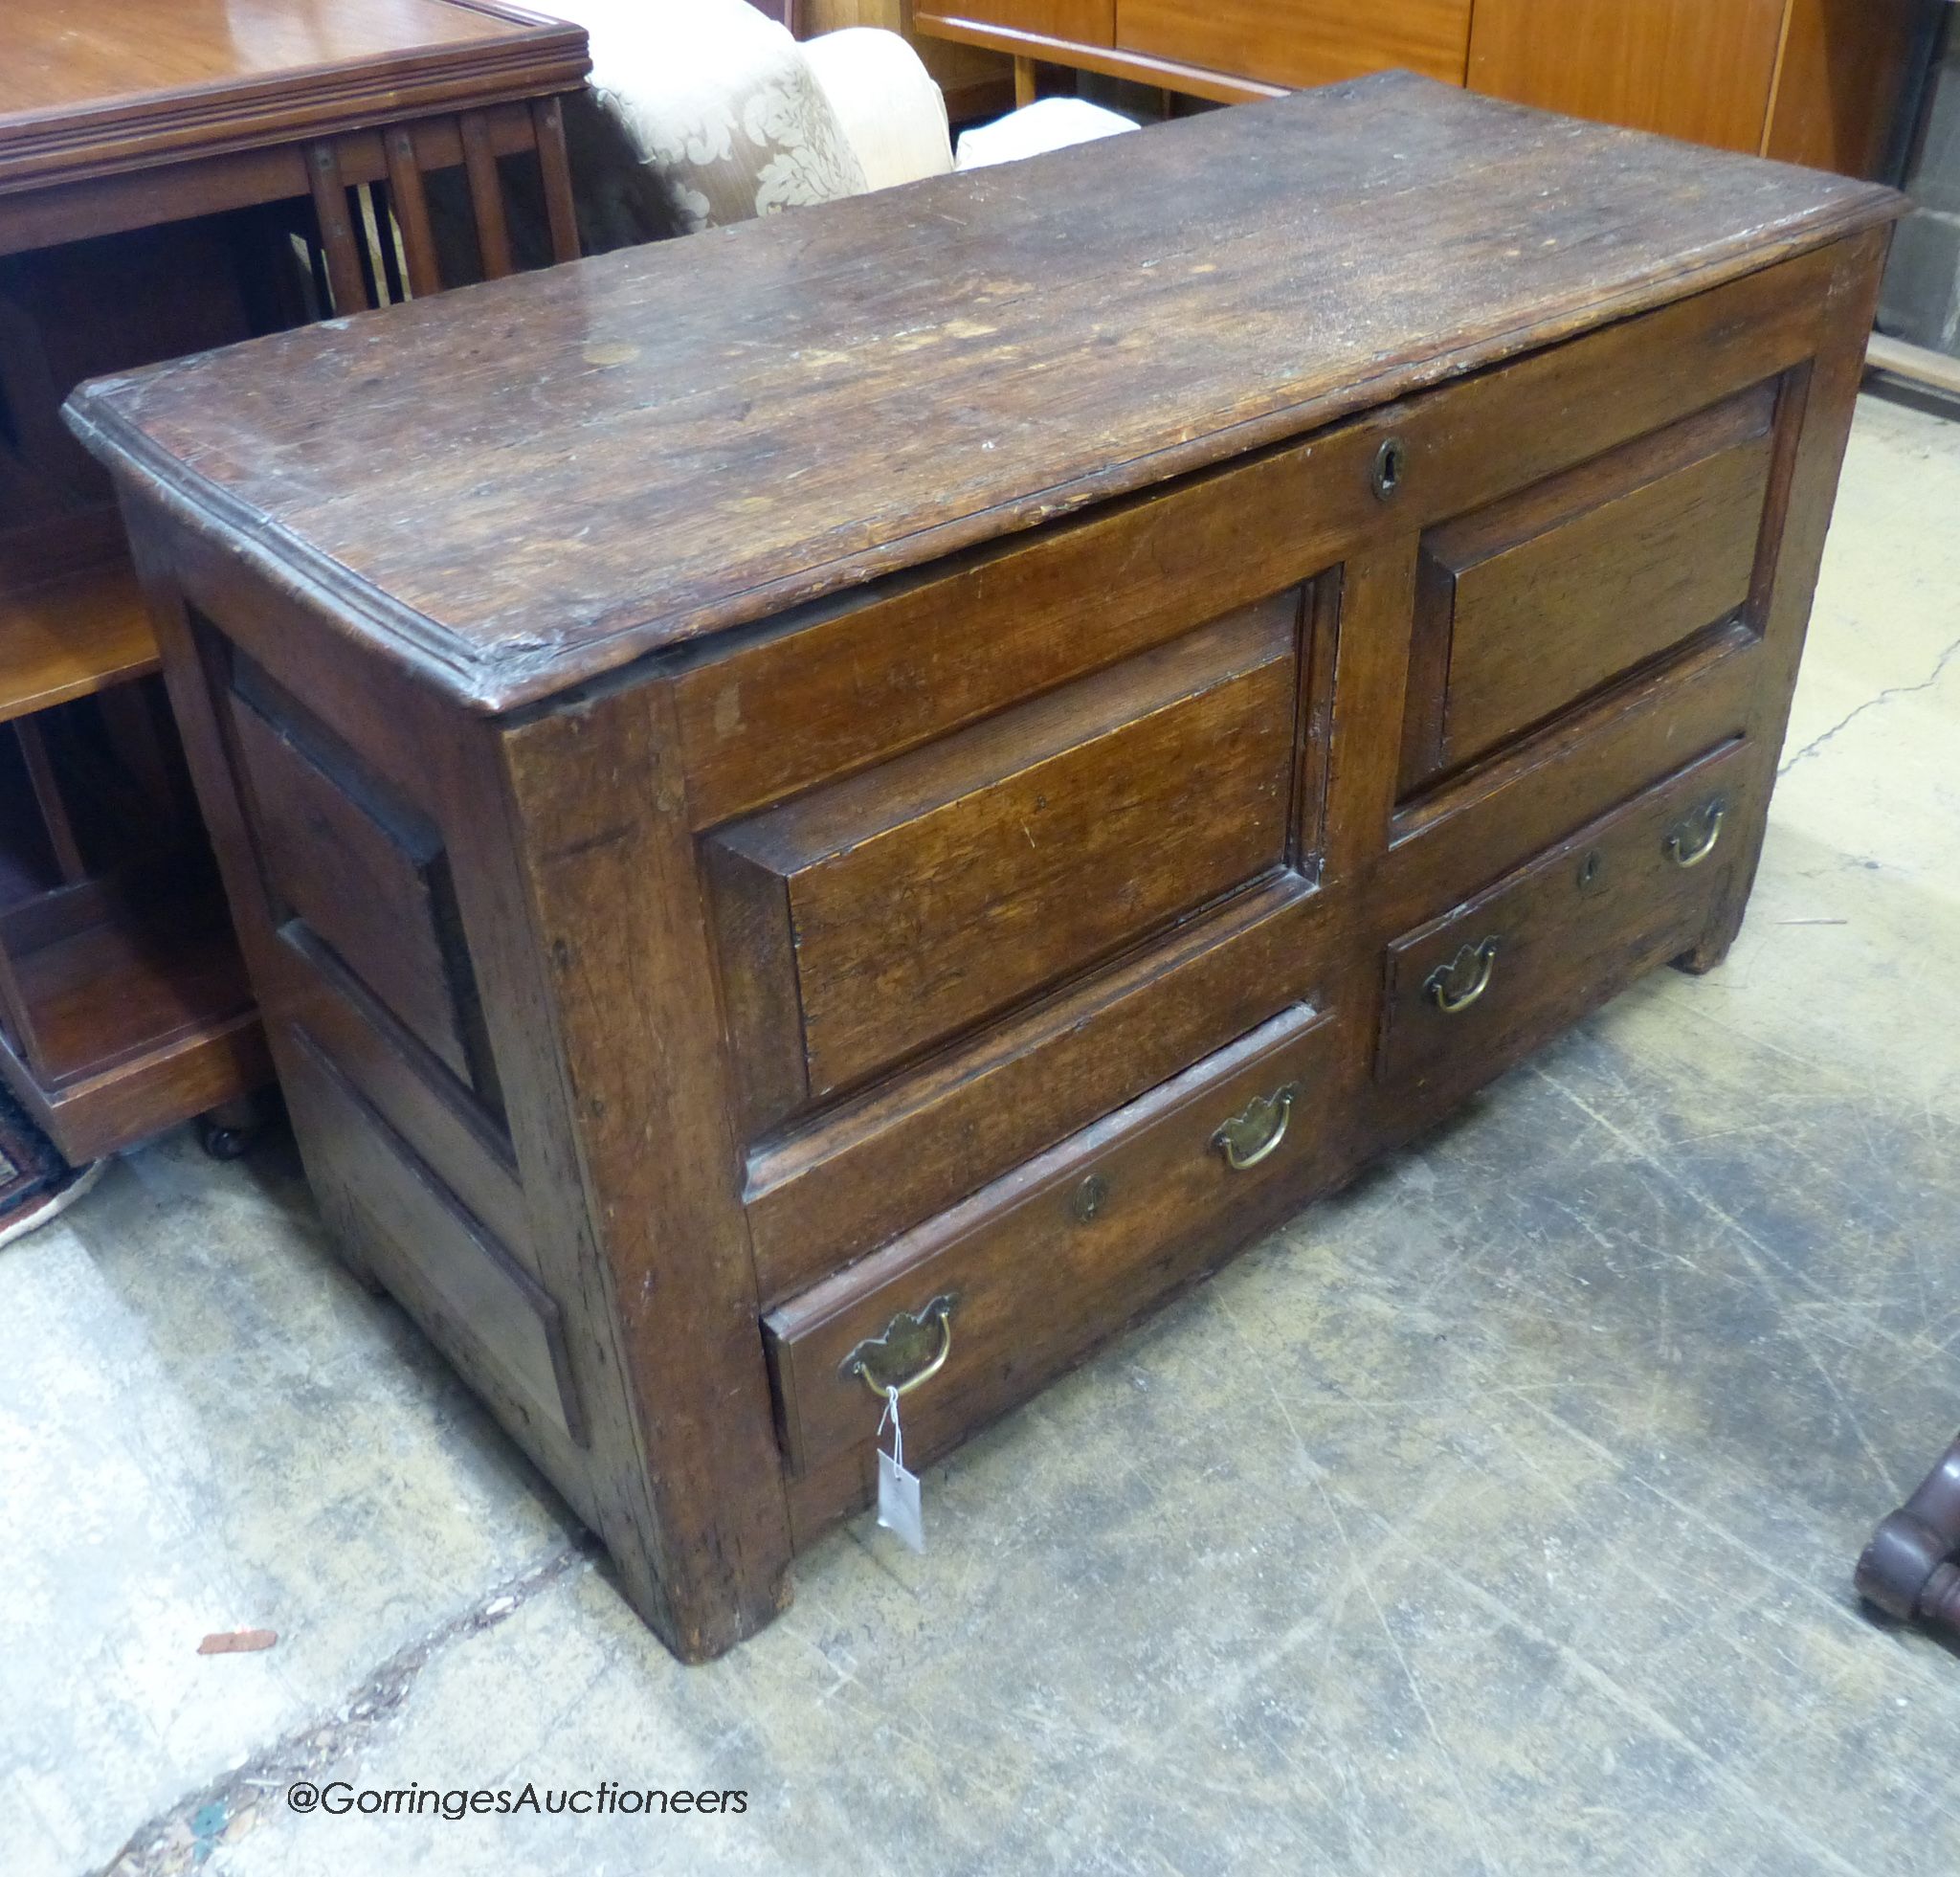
x,y
1496,1516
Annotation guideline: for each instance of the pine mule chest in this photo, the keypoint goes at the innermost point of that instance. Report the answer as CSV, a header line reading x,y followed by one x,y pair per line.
x,y
855,798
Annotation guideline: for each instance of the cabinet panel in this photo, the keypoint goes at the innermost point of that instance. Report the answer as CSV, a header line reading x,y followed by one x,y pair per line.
x,y
1681,67
1083,22
474,1298
1529,606
1302,42
870,917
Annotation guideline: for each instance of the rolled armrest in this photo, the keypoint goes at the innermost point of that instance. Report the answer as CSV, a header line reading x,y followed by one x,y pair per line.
x,y
892,113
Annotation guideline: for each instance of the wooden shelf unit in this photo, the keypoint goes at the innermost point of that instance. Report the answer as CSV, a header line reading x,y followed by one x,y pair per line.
x,y
70,638
168,186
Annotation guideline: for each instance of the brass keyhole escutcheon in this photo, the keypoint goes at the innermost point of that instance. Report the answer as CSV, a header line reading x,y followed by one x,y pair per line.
x,y
1690,841
911,1349
1390,462
1466,977
1090,1198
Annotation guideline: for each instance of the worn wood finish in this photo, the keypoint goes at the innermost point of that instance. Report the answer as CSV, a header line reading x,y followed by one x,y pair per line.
x,y
1089,1231
1468,992
364,874
938,468
896,909
412,1233
1528,605
994,801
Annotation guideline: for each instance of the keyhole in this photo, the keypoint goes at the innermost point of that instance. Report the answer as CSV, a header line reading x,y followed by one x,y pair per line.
x,y
1589,869
1090,1197
1388,464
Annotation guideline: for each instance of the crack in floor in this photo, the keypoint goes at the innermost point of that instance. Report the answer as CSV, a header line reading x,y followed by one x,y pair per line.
x,y
1886,696
185,1833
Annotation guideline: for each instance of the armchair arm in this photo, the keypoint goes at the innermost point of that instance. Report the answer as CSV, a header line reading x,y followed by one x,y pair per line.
x,y
892,113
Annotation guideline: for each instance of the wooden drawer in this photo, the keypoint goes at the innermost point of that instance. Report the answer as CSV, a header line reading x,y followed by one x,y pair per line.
x,y
1470,991
1033,1270
1530,605
869,918
1301,42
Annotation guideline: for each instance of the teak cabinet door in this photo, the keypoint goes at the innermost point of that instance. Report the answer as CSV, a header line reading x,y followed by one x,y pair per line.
x,y
1301,42
1075,22
1684,68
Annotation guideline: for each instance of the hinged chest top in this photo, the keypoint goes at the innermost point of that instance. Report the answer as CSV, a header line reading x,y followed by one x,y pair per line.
x,y
1134,682
530,484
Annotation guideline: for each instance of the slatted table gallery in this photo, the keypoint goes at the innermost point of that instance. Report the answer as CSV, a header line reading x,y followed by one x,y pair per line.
x,y
854,801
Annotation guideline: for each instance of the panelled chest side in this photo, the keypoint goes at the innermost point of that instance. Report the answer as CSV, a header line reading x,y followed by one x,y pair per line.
x,y
797,830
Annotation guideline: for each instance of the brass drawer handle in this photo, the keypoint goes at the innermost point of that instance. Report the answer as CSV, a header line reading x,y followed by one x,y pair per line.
x,y
1248,1138
1474,963
1690,842
905,1354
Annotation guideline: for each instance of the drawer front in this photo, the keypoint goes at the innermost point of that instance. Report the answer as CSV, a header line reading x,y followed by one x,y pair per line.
x,y
1301,42
1526,607
872,917
1032,1271
1471,990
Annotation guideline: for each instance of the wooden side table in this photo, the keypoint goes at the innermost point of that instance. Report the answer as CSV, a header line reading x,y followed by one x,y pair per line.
x,y
170,180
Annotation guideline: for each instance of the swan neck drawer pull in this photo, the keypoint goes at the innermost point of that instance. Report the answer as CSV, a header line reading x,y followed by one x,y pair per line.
x,y
1690,841
912,1350
1466,977
1248,1138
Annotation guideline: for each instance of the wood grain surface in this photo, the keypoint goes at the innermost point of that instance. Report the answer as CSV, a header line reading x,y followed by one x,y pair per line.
x,y
764,1077
721,427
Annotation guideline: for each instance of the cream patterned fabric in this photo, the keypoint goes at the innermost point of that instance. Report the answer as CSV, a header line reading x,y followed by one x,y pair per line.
x,y
885,98
699,113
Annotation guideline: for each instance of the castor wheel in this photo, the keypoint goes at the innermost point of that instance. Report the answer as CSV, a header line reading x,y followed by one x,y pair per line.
x,y
232,1128
1911,1568
224,1142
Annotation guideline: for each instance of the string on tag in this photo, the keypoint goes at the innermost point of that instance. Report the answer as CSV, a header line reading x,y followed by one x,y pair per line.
x,y
898,1491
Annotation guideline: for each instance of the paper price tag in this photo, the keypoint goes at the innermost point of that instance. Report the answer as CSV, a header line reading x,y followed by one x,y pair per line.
x,y
898,1491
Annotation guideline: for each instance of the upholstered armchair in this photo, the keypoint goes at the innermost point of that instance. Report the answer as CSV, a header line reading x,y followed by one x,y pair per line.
x,y
704,112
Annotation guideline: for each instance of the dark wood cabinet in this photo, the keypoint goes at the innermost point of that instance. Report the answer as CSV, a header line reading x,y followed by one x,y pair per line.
x,y
859,823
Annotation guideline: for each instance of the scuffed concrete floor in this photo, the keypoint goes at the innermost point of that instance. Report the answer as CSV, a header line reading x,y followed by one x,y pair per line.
x,y
1496,1516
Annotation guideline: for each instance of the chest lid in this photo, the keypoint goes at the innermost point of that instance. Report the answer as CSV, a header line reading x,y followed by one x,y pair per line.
x,y
520,486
